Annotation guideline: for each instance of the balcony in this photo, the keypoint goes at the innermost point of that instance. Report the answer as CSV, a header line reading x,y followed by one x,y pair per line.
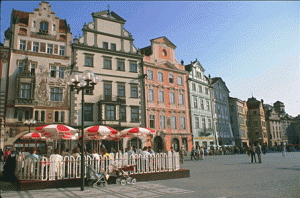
x,y
24,101
43,35
112,99
206,132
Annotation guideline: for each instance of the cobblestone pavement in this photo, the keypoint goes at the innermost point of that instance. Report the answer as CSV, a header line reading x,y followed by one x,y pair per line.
x,y
215,176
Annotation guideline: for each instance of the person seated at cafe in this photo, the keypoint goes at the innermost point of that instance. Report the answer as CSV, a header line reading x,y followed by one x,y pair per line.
x,y
150,150
130,151
76,152
145,152
33,155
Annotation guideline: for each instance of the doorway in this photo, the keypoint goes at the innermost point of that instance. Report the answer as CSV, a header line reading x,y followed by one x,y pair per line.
x,y
158,144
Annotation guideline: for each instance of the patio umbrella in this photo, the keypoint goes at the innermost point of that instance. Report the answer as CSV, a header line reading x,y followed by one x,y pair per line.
x,y
31,136
56,128
138,131
100,130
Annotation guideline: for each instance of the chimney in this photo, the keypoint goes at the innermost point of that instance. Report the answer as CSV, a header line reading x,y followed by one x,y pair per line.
x,y
182,62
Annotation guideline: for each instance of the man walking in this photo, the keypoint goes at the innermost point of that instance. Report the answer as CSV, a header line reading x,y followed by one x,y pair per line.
x,y
181,155
258,152
193,154
252,153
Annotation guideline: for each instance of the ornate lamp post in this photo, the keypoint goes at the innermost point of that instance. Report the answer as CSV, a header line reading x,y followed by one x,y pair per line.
x,y
29,123
81,82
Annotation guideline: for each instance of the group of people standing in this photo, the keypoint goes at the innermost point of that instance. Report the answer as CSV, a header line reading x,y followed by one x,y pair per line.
x,y
255,150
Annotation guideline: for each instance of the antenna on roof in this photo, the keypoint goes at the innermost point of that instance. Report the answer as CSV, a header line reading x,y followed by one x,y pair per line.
x,y
108,13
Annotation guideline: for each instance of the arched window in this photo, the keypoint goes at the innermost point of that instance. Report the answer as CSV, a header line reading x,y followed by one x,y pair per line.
x,y
44,27
175,144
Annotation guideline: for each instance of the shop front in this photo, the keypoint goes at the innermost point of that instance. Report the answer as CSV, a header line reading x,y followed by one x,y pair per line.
x,y
27,145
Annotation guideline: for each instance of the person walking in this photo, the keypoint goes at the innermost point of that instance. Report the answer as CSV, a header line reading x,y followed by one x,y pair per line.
x,y
181,155
252,153
193,154
202,153
283,150
258,152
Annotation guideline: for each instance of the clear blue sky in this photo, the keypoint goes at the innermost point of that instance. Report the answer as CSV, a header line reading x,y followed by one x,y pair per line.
x,y
253,46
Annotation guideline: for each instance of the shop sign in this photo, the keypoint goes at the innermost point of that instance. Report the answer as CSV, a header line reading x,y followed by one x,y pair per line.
x,y
204,138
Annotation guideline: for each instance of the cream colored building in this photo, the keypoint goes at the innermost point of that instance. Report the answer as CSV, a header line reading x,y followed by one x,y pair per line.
x,y
107,49
40,44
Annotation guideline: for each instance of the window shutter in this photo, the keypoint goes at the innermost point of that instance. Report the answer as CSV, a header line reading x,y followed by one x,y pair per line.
x,y
29,45
43,47
55,49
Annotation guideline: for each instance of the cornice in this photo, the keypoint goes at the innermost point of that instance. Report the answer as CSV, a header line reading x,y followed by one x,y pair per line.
x,y
151,64
44,55
107,34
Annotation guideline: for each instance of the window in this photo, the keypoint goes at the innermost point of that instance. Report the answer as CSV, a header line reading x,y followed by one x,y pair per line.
x,y
20,116
160,77
35,47
44,27
105,45
198,74
171,78
53,72
162,122
123,113
206,90
209,124
207,105
182,122
152,121
107,91
121,65
56,116
195,102
56,94
150,95
134,114
54,27
27,115
121,90
113,47
62,116
164,53
180,99
193,86
133,67
62,50
42,116
89,60
32,68
107,63
110,112
34,24
200,88
133,91
88,112
179,78
36,116
25,91
61,72
203,123
172,98
173,122
197,124
20,67
50,48
160,96
150,74
202,104
22,45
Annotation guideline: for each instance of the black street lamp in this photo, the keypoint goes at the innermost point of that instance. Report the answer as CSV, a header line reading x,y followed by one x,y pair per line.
x,y
29,123
81,82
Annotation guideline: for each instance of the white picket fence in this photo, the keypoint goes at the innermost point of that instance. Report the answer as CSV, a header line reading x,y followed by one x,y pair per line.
x,y
68,167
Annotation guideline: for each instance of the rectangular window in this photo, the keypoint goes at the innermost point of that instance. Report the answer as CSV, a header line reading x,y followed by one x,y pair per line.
x,y
181,99
182,122
62,50
88,112
200,88
121,90
150,74
42,116
162,122
105,45
110,112
53,72
36,116
49,49
202,104
195,102
121,65
171,78
197,124
133,67
56,116
194,87
56,94
35,47
206,90
62,116
134,114
113,46
160,77
179,78
152,121
20,116
22,45
107,91
172,98
32,68
88,60
25,91
107,63
173,122
123,113
27,115
203,123
209,124
61,72
134,91
160,96
207,105
20,67
150,95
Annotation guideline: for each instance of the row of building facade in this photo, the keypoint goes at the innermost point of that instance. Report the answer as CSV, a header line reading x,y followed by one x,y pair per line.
x,y
137,88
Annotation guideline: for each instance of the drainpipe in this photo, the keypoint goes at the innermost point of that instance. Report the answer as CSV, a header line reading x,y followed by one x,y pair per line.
x,y
191,126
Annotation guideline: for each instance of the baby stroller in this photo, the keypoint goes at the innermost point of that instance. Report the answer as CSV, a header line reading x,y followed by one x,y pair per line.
x,y
122,176
96,179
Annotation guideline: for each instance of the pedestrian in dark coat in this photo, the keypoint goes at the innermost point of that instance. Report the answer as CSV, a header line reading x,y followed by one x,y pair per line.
x,y
252,153
258,152
193,154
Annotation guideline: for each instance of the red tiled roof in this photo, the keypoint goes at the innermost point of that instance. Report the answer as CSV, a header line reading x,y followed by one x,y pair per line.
x,y
23,16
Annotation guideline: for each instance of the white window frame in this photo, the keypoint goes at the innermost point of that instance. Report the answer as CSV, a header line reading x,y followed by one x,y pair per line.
x,y
150,95
161,96
22,44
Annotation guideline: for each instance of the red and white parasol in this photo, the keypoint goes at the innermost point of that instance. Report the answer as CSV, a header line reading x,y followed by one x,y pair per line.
x,y
56,128
137,131
100,130
31,136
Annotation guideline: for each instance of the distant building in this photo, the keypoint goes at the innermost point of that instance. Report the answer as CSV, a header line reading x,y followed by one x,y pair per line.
x,y
293,131
256,122
220,100
166,96
202,124
238,119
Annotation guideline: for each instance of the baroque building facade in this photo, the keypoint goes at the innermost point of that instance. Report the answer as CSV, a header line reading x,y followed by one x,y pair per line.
x,y
166,96
220,94
202,122
106,48
36,86
238,120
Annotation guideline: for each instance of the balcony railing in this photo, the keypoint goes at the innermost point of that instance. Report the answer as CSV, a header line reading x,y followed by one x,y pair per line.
x,y
24,101
112,98
43,35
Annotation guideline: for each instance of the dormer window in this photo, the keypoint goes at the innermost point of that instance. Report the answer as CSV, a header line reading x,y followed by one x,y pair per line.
x,y
44,27
54,27
164,53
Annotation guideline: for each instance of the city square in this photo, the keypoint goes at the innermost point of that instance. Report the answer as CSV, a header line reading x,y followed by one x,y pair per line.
x,y
215,176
